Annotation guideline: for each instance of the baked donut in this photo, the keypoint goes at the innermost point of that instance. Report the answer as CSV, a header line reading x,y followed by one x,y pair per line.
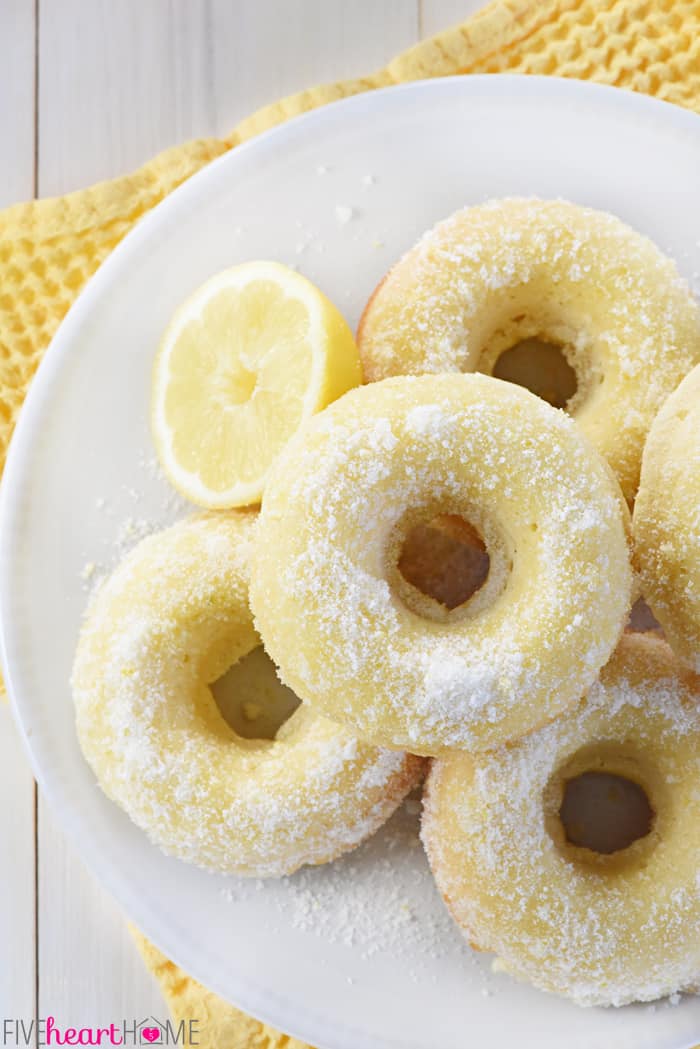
x,y
602,927
666,521
568,301
169,622
354,638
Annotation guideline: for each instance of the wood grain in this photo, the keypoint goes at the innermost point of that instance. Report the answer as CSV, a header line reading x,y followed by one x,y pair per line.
x,y
120,81
17,895
90,973
437,15
16,100
17,791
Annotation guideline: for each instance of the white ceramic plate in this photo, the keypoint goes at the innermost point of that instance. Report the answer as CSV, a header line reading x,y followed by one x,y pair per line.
x,y
358,955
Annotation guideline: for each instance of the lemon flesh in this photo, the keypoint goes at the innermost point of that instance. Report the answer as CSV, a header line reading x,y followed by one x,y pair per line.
x,y
246,359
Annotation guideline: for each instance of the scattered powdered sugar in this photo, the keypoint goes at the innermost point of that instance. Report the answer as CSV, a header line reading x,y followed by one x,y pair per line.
x,y
131,531
88,572
378,900
344,213
128,531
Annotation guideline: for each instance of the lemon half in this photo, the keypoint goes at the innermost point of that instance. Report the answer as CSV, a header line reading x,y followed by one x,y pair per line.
x,y
246,359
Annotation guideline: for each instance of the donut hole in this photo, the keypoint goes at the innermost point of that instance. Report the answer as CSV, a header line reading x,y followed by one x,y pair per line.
x,y
604,813
445,559
599,809
642,620
542,368
251,698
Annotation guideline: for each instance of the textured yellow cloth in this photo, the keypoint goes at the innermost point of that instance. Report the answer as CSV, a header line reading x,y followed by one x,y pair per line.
x,y
219,1025
49,248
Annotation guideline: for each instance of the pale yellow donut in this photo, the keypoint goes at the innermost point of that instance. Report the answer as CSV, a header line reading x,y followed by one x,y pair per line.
x,y
353,638
491,276
666,520
603,929
171,619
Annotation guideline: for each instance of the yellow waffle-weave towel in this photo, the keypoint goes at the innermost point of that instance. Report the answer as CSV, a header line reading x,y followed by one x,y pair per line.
x,y
218,1025
49,248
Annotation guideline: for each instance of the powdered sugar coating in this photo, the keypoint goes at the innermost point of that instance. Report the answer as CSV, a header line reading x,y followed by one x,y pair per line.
x,y
667,520
493,275
170,620
553,520
603,930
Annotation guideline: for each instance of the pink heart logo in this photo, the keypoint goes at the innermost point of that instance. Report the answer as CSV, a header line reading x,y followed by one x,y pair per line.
x,y
151,1034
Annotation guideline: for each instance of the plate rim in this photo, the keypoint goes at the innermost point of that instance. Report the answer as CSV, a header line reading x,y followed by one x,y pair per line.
x,y
643,108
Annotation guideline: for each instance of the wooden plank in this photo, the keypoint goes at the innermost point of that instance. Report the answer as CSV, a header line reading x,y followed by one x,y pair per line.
x,y
436,15
90,972
119,81
18,896
265,54
17,899
16,100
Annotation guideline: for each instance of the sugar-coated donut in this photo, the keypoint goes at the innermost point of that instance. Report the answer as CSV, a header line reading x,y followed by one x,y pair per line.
x,y
666,520
361,644
492,276
601,928
170,621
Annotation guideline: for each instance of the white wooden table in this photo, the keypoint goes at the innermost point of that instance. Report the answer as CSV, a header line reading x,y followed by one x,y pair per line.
x,y
90,89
